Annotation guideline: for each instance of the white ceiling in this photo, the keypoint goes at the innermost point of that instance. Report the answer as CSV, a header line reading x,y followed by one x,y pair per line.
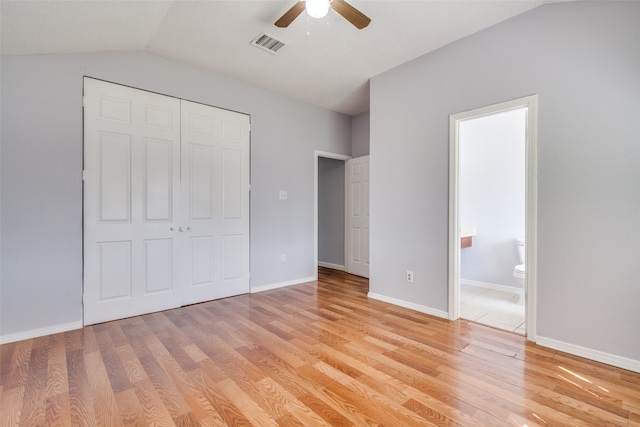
x,y
327,62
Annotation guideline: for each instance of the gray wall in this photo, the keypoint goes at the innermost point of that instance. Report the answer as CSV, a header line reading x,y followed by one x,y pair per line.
x,y
492,189
583,60
331,208
360,135
41,283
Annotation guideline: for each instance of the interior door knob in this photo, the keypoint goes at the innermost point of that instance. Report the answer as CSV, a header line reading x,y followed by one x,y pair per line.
x,y
180,229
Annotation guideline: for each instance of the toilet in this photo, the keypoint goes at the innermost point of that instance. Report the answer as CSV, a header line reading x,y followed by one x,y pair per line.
x,y
518,271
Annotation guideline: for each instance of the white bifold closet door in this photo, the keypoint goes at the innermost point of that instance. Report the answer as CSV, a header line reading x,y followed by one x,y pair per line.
x,y
166,202
215,202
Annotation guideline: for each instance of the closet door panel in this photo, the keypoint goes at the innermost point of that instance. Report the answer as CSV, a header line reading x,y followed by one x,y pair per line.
x,y
232,257
232,173
114,177
200,182
215,191
157,193
131,196
201,261
158,264
114,260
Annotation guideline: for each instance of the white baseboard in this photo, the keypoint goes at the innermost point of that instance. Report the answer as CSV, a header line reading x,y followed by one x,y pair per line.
x,y
410,305
35,333
281,284
596,355
494,286
329,265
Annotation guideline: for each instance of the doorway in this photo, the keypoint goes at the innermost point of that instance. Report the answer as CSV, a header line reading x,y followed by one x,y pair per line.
x,y
491,213
324,161
491,209
331,217
348,242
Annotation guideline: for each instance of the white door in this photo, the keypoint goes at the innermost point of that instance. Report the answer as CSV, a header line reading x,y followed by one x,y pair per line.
x,y
358,216
166,202
215,202
131,201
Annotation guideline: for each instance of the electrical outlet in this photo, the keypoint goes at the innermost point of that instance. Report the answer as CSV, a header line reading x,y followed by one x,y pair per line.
x,y
283,258
409,276
283,195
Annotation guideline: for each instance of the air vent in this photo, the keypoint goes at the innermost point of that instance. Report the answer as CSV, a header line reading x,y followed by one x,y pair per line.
x,y
268,43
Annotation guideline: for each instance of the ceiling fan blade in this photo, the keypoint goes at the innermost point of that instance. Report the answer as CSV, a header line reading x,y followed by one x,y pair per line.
x,y
290,15
351,14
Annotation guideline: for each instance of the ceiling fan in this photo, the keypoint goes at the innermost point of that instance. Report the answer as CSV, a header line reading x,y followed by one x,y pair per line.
x,y
319,8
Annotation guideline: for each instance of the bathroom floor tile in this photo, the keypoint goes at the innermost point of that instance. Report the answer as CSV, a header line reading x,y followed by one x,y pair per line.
x,y
499,309
471,312
511,320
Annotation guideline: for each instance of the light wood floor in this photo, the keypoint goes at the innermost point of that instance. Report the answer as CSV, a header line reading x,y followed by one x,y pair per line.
x,y
312,354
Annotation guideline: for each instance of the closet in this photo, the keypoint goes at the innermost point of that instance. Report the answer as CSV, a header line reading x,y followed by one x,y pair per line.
x,y
166,202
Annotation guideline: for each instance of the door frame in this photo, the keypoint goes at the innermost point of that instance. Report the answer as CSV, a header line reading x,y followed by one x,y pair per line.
x,y
531,204
316,155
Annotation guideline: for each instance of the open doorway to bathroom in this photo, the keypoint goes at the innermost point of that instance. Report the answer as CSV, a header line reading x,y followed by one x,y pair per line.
x,y
492,215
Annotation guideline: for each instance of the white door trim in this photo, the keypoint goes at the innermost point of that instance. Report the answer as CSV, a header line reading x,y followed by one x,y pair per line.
x,y
316,155
531,204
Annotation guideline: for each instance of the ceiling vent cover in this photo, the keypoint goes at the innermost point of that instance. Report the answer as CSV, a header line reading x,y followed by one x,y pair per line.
x,y
269,43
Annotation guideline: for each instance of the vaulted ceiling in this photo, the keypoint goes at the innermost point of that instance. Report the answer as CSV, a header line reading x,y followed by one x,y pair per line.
x,y
327,61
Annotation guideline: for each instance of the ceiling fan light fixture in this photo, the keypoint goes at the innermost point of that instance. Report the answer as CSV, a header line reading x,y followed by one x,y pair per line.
x,y
317,8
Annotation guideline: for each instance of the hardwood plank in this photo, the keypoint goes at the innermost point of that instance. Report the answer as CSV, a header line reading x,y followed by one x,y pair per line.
x,y
10,406
429,414
324,410
80,339
102,394
163,387
297,382
57,367
129,407
186,420
225,412
6,356
112,362
296,408
245,404
18,367
82,412
131,366
318,353
377,406
35,389
154,411
58,410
